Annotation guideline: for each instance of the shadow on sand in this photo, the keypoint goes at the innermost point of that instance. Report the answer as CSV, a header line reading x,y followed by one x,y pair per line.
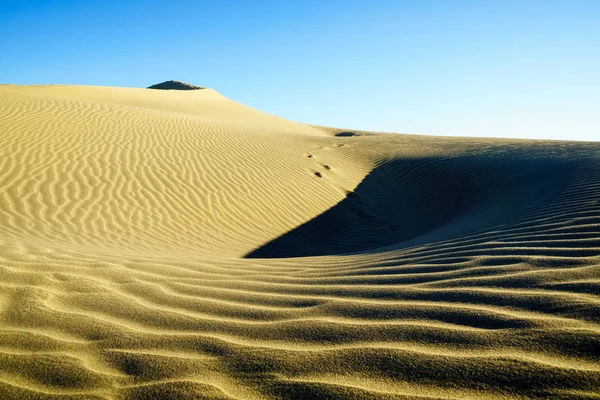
x,y
404,199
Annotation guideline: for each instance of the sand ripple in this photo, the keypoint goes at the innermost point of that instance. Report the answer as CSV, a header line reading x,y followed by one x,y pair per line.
x,y
433,268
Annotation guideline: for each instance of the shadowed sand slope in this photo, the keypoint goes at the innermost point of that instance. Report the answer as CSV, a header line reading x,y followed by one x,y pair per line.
x,y
437,196
377,266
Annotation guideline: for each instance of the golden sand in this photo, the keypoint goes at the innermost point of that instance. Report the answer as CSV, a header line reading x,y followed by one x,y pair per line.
x,y
176,244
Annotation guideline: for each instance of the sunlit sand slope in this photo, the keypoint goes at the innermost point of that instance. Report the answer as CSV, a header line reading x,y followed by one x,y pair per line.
x,y
169,244
162,171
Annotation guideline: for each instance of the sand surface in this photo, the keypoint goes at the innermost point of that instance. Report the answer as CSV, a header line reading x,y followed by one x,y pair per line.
x,y
163,244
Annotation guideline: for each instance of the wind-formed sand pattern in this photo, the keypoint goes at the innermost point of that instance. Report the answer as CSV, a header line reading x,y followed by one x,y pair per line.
x,y
173,244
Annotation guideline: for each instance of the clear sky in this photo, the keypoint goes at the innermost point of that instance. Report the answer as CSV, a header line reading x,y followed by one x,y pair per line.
x,y
504,68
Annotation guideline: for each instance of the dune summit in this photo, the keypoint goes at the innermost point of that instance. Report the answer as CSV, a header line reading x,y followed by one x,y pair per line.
x,y
176,244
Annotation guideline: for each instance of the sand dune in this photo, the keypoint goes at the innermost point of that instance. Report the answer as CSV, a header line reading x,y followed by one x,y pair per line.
x,y
176,244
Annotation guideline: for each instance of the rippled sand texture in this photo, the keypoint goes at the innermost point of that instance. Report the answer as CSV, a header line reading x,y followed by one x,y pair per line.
x,y
168,244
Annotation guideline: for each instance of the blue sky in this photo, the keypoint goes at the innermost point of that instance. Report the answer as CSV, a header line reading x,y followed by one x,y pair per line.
x,y
502,68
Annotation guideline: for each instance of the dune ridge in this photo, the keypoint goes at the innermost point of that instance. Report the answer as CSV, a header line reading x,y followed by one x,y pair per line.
x,y
176,244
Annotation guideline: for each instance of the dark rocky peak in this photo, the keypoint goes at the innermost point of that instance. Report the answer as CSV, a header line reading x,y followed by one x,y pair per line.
x,y
174,85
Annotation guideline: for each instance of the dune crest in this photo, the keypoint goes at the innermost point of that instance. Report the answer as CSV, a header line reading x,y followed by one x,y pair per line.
x,y
177,244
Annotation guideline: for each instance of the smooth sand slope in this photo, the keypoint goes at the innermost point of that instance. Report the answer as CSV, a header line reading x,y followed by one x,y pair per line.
x,y
176,244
